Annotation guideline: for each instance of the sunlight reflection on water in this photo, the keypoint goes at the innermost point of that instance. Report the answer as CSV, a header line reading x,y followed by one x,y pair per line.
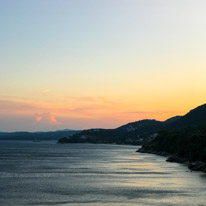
x,y
46,173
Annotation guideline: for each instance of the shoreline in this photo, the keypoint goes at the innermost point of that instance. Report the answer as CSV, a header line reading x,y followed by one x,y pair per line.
x,y
192,166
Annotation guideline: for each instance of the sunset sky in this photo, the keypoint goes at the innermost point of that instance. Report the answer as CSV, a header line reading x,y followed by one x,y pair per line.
x,y
80,64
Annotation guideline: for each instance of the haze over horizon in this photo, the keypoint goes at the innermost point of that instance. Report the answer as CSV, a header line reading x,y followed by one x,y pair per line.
x,y
81,64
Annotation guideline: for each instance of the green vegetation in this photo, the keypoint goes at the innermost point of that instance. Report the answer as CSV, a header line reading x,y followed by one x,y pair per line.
x,y
189,143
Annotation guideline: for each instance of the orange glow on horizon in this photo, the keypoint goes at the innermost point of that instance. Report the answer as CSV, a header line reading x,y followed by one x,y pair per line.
x,y
95,111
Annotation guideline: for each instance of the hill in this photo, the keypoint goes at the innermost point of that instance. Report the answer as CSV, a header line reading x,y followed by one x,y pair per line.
x,y
132,133
139,132
184,140
185,145
195,117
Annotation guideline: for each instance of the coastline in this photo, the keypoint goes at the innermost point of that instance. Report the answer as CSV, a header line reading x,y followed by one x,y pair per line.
x,y
192,166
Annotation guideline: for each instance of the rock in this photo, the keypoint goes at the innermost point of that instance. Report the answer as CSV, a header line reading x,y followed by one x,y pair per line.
x,y
193,166
174,158
197,166
142,150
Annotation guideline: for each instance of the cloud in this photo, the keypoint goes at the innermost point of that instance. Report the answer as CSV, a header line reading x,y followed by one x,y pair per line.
x,y
46,118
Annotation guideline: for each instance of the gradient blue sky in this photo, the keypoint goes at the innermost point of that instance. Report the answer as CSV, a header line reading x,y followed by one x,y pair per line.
x,y
99,63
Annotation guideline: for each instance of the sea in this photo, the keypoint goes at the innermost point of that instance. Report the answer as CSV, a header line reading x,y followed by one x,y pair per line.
x,y
51,174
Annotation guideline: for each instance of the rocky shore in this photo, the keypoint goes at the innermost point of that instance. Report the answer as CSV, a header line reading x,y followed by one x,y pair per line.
x,y
193,166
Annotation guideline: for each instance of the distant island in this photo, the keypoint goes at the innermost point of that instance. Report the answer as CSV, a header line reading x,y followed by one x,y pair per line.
x,y
37,136
181,138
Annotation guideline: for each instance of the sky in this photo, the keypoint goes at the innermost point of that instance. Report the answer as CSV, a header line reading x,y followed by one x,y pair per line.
x,y
81,64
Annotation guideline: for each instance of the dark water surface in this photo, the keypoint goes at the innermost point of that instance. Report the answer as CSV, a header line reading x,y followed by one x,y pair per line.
x,y
46,173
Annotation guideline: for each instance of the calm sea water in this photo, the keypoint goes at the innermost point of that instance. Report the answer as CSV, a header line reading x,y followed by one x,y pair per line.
x,y
47,173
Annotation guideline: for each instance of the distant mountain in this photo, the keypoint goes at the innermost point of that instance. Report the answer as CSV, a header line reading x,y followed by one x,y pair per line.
x,y
34,136
139,132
